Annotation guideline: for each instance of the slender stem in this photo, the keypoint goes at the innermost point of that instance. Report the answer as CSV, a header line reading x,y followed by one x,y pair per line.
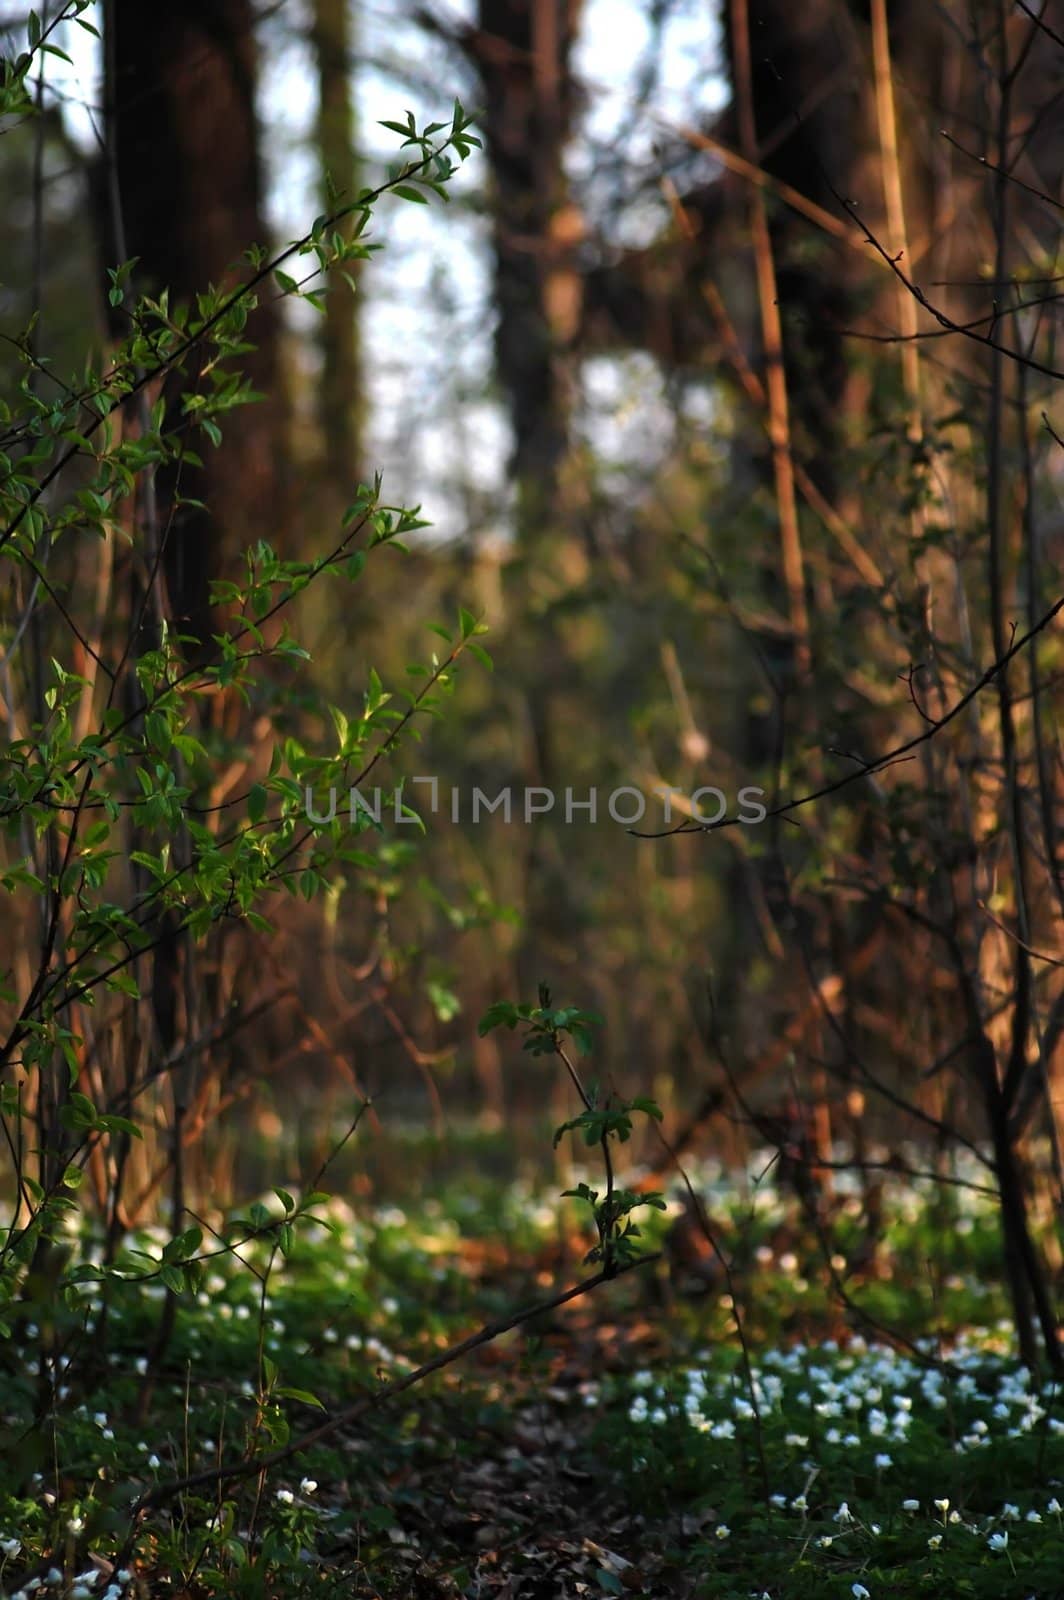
x,y
772,335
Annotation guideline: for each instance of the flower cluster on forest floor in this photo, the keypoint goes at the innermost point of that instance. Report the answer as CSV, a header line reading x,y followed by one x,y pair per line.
x,y
621,1446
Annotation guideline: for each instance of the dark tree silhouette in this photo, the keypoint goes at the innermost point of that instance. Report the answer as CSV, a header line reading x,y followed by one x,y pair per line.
x,y
185,199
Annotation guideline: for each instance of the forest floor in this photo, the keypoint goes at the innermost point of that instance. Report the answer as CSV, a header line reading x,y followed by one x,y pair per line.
x,y
621,1444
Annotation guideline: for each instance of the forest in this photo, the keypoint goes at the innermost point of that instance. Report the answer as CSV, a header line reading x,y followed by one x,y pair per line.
x,y
532,799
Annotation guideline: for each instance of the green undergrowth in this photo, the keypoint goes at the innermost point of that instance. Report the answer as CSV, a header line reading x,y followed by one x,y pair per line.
x,y
619,1444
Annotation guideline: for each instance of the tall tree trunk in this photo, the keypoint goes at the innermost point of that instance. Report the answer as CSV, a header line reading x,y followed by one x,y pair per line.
x,y
181,91
522,50
811,117
184,198
340,392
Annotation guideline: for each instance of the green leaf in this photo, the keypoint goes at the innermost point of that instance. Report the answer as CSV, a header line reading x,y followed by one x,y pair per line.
x,y
503,1014
78,1114
113,1124
123,983
304,1397
481,654
183,1245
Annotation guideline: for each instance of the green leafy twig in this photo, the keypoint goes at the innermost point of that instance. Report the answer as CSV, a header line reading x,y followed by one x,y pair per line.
x,y
602,1119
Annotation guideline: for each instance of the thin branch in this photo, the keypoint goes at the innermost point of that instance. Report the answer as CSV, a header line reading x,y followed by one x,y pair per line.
x,y
236,1471
868,768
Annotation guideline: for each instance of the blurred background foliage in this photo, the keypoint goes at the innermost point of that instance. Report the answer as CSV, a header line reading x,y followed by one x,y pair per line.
x,y
738,506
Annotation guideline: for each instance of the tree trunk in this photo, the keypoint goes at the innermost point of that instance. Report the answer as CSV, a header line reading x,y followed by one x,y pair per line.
x,y
181,89
340,391
521,49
